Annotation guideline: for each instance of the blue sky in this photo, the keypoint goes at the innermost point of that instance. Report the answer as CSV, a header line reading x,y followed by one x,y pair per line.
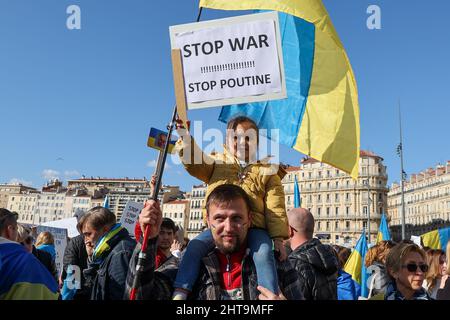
x,y
78,102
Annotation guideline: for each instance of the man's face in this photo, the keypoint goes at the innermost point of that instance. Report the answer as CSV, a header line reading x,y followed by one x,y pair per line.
x,y
162,140
11,232
229,225
165,238
91,236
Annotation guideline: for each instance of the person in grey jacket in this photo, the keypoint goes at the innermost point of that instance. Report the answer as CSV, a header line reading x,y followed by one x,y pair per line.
x,y
315,262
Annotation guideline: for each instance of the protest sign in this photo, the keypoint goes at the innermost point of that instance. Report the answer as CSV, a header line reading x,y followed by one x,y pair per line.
x,y
69,223
157,140
231,61
60,236
130,215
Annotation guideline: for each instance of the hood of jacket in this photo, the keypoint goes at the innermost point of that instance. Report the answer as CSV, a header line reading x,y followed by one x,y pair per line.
x,y
320,256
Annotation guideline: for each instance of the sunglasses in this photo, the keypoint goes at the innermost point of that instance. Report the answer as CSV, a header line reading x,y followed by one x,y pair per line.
x,y
412,267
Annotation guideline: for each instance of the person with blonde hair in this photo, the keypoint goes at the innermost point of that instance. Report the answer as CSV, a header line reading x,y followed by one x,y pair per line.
x,y
375,264
443,292
25,238
407,267
46,242
436,262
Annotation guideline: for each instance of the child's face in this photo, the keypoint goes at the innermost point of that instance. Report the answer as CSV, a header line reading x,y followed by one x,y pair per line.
x,y
243,142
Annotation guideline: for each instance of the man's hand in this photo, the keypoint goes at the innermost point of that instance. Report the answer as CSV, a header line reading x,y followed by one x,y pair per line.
x,y
89,249
151,216
269,295
279,246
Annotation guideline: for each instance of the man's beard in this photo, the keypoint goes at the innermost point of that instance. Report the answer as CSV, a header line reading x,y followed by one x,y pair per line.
x,y
230,249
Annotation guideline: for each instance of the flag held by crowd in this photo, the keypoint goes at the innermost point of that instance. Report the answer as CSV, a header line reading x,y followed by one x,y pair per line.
x,y
383,232
356,268
436,239
297,199
320,117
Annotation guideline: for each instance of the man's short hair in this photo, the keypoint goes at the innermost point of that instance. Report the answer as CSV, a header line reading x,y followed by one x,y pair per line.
x,y
7,218
302,221
98,218
168,223
226,193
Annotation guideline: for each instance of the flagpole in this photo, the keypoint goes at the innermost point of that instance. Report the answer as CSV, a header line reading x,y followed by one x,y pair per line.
x,y
402,175
159,172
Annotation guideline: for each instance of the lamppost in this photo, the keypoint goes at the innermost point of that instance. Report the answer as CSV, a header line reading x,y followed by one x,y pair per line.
x,y
366,182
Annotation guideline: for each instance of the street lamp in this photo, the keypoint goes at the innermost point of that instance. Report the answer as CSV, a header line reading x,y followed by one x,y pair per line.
x,y
366,182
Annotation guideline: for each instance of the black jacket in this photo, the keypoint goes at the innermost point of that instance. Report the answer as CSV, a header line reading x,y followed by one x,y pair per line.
x,y
317,267
107,281
76,255
444,293
46,259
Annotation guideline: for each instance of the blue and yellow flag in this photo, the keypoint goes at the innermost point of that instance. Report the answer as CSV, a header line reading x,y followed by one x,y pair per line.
x,y
383,232
320,117
356,267
22,276
106,203
436,239
157,140
297,199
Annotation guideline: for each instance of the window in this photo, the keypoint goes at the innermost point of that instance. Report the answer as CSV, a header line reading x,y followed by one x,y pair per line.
x,y
347,196
337,211
364,224
328,211
328,226
365,210
319,198
328,173
347,225
318,225
347,210
319,209
336,225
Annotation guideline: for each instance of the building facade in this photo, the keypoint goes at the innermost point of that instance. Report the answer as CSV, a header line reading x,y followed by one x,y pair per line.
x,y
338,203
122,190
197,204
178,211
8,189
427,202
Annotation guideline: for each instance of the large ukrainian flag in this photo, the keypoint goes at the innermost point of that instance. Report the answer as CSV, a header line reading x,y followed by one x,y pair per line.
x,y
320,117
356,267
436,239
22,276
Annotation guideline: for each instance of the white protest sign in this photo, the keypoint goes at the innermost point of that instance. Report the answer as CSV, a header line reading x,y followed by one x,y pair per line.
x,y
130,215
69,223
416,240
231,61
60,236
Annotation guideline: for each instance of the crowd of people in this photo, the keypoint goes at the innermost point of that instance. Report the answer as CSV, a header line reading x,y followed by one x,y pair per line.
x,y
252,249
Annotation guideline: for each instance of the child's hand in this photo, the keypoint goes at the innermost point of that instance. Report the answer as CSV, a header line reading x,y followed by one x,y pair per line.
x,y
279,246
269,295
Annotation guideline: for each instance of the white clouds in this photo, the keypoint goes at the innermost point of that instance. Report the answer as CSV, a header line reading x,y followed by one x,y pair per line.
x,y
153,163
71,173
20,181
50,174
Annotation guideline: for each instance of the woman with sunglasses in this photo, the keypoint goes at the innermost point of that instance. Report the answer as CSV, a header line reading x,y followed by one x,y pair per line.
x,y
407,267
437,267
444,290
